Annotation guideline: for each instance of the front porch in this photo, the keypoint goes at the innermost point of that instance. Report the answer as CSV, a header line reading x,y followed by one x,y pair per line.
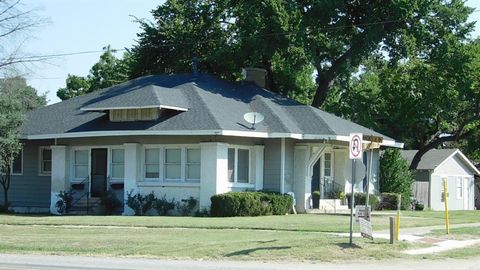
x,y
323,172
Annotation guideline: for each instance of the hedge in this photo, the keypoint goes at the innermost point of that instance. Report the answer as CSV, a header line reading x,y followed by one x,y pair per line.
x,y
250,204
361,198
389,201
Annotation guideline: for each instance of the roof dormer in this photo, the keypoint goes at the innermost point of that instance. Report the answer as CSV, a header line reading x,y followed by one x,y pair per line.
x,y
146,103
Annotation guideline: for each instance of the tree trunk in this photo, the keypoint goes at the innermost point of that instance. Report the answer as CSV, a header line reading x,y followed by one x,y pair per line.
x,y
418,157
324,84
5,199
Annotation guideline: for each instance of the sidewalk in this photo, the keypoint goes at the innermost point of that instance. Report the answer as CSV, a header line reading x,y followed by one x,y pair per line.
x,y
417,234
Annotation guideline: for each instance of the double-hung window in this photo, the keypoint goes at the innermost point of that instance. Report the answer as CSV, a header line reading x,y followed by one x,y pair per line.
x,y
152,163
192,166
238,165
118,164
45,160
173,164
17,165
80,169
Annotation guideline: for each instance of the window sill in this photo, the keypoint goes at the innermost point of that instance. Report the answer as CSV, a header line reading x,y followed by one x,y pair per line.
x,y
240,185
168,184
44,174
116,181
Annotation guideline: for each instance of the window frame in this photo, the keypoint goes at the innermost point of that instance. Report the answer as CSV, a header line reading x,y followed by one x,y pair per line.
x,y
199,163
331,168
144,167
73,175
21,167
162,162
235,165
41,172
110,172
182,164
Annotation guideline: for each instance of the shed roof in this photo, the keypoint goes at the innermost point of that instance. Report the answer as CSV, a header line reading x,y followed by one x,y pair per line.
x,y
435,157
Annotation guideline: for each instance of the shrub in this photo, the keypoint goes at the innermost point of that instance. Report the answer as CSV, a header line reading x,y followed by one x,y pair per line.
x,y
388,201
250,204
163,206
64,204
316,195
395,176
419,207
187,206
110,202
361,199
140,204
280,204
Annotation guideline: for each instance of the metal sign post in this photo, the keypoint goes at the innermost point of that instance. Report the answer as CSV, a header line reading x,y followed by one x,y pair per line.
x,y
355,152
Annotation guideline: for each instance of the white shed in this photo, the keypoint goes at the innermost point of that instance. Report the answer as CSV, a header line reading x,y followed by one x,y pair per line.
x,y
434,167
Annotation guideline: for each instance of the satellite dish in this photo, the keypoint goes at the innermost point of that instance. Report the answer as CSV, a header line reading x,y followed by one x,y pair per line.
x,y
253,118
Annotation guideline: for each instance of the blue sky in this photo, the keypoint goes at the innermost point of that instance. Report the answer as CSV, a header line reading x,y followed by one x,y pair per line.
x,y
89,25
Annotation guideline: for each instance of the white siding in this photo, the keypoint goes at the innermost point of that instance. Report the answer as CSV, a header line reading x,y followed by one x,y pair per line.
x,y
453,168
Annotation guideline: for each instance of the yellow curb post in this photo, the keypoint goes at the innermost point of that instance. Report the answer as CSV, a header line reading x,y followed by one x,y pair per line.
x,y
445,199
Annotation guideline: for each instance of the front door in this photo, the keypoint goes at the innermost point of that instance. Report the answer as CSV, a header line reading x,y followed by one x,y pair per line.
x,y
99,172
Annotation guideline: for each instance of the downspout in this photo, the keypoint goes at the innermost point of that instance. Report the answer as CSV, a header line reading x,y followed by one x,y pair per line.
x,y
282,167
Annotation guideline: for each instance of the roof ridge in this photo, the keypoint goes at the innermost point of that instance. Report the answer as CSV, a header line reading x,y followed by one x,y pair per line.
x,y
272,111
193,86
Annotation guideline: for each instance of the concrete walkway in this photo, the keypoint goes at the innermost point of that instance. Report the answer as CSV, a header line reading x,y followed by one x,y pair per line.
x,y
417,234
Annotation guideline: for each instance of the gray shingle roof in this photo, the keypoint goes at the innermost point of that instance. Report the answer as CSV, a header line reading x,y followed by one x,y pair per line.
x,y
430,160
213,104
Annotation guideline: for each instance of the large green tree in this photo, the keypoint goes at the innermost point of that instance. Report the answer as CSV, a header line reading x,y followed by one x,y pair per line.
x,y
108,71
425,102
16,97
293,37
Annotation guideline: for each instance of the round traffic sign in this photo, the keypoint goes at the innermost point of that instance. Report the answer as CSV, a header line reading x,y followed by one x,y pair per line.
x,y
356,146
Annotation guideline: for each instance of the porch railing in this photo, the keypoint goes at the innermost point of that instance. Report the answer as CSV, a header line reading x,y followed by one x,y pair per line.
x,y
330,189
83,194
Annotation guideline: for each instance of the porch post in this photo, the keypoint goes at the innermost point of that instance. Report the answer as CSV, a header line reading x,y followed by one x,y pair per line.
x,y
59,179
214,171
258,153
131,173
282,166
302,183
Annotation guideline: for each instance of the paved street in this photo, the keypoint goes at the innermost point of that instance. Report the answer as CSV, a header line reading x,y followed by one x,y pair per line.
x,y
40,262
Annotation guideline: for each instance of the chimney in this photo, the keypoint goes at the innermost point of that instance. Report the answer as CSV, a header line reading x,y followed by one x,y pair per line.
x,y
256,75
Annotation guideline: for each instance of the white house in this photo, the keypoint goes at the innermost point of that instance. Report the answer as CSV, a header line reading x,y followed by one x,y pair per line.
x,y
181,136
435,167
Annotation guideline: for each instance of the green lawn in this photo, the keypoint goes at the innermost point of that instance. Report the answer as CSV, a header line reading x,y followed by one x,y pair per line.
x,y
307,223
292,237
191,243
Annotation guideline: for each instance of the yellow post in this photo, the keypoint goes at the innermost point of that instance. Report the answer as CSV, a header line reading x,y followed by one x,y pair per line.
x,y
445,199
397,224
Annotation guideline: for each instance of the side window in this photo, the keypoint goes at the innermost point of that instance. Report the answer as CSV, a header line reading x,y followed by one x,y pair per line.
x,y
17,164
45,160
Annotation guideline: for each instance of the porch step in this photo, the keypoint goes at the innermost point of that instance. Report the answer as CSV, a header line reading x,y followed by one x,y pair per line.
x,y
84,206
330,206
